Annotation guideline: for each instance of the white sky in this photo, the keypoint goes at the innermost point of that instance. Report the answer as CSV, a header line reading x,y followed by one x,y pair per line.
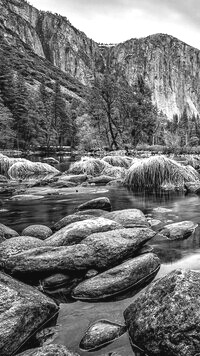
x,y
114,21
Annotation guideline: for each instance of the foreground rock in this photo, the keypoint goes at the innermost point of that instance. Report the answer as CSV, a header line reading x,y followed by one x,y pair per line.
x,y
69,219
128,217
113,247
179,231
101,333
164,319
40,231
98,203
49,350
76,232
23,311
6,232
58,284
17,245
118,279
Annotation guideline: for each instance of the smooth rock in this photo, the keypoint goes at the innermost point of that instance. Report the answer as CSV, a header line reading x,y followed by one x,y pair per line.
x,y
93,212
17,245
78,179
63,184
40,231
179,231
116,183
161,210
6,232
165,319
118,279
128,217
98,203
76,232
23,310
69,219
26,197
103,179
101,333
112,247
60,283
154,223
48,350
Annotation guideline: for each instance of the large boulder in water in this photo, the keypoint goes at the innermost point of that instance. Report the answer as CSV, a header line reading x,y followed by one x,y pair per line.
x,y
69,219
6,232
112,247
49,350
98,203
118,279
76,232
128,217
23,310
40,231
179,231
165,319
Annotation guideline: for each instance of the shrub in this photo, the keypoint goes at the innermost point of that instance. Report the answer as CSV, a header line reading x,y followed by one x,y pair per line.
x,y
118,161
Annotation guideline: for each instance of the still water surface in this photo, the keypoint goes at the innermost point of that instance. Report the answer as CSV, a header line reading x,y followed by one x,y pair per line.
x,y
74,318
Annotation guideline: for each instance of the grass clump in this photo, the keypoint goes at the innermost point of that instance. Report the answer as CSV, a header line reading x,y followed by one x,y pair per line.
x,y
115,172
153,172
27,169
118,161
88,165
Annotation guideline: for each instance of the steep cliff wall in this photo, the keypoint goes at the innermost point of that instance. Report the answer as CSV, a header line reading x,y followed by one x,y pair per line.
x,y
169,66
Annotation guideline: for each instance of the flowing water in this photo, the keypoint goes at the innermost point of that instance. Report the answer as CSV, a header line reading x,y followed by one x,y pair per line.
x,y
75,317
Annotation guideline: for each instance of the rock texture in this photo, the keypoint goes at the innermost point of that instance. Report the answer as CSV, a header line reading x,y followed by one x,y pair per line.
x,y
23,310
17,245
98,203
6,232
128,217
39,231
49,350
179,231
164,319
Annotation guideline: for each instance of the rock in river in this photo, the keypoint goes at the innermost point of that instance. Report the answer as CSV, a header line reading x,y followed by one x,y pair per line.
x,y
98,203
69,219
76,232
23,310
101,333
49,350
165,319
39,231
6,232
118,279
16,245
128,217
179,231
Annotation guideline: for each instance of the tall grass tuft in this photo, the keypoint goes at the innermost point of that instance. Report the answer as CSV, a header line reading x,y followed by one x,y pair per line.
x,y
88,165
118,161
115,172
27,169
155,171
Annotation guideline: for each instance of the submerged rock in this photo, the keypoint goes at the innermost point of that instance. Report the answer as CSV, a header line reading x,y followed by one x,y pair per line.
x,y
76,232
164,319
26,197
58,284
39,231
128,217
118,279
6,232
179,231
69,219
101,333
98,203
17,245
23,310
49,350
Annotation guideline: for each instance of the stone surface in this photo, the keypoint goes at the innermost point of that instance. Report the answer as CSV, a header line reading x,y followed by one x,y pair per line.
x,y
6,232
128,217
165,319
76,232
25,197
39,231
78,179
103,179
49,350
23,310
98,203
118,279
17,245
93,212
69,219
58,284
179,231
100,333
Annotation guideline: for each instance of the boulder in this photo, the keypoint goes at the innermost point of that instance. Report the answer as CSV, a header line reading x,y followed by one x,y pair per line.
x,y
118,279
98,203
17,245
128,217
76,232
103,179
101,333
93,212
179,231
69,219
49,259
23,310
6,232
165,319
49,350
112,247
59,283
39,231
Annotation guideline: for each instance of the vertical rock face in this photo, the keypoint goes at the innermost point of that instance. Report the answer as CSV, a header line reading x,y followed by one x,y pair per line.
x,y
169,66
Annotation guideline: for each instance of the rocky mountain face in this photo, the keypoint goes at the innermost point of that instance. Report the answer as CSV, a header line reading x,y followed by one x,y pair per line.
x,y
169,66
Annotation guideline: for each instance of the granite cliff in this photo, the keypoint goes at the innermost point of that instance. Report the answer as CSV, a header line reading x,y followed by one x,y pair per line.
x,y
169,66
